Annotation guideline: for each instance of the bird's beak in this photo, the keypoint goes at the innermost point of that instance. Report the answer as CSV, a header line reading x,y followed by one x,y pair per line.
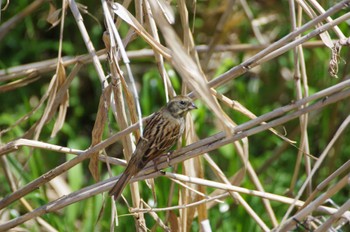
x,y
192,106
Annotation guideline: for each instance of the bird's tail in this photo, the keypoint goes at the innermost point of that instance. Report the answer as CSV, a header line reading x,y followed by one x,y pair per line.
x,y
118,188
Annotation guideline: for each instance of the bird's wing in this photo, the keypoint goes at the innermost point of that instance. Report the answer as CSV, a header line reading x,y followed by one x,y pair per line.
x,y
160,134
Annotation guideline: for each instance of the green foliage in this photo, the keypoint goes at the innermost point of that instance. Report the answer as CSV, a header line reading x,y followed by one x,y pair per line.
x,y
260,90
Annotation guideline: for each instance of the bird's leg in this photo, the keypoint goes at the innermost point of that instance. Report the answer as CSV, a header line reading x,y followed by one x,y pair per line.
x,y
168,154
155,162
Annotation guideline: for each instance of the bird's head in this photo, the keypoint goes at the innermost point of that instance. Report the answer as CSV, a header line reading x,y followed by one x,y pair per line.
x,y
180,105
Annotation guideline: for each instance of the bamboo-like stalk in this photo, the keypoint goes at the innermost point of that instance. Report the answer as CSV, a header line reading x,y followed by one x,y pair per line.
x,y
191,151
152,21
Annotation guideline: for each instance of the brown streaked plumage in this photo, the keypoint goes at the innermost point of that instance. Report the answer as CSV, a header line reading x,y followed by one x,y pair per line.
x,y
161,132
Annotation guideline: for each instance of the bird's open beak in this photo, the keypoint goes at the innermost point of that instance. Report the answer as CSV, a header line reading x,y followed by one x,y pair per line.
x,y
193,106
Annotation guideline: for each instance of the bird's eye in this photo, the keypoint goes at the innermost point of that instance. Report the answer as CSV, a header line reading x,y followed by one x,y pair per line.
x,y
182,102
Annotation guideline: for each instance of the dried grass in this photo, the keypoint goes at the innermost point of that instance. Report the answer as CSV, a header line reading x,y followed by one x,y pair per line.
x,y
151,22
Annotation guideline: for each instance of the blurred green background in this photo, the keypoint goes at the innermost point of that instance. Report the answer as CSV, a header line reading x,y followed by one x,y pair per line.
x,y
261,90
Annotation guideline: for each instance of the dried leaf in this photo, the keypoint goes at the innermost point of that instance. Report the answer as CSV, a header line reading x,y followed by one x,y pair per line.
x,y
61,78
326,39
54,16
98,129
17,84
167,11
48,112
131,105
335,59
132,21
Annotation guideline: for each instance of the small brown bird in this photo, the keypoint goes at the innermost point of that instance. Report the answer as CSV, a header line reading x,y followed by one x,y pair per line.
x,y
161,132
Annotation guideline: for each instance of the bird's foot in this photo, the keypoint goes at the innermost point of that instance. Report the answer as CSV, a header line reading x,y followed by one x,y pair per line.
x,y
155,164
168,158
155,161
162,172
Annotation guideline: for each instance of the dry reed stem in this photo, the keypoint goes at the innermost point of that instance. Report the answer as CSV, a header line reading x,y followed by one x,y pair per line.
x,y
11,23
31,72
334,93
192,150
283,45
318,163
184,57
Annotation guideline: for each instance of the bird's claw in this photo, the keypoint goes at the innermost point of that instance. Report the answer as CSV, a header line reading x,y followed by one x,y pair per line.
x,y
168,158
162,172
155,161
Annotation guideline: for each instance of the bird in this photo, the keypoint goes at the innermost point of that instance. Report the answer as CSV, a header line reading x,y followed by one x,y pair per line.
x,y
161,132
